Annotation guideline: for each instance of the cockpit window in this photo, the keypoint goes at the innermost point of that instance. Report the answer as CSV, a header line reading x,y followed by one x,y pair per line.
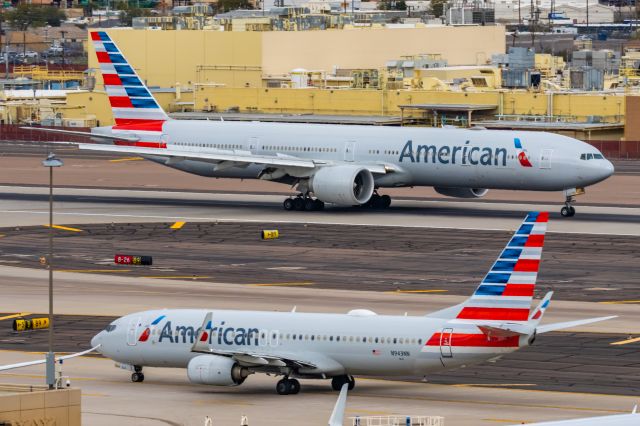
x,y
110,328
591,157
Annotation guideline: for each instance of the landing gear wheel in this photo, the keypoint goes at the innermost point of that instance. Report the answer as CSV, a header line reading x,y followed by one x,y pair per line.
x,y
338,381
137,377
298,204
309,204
568,211
288,204
283,387
295,386
318,205
385,201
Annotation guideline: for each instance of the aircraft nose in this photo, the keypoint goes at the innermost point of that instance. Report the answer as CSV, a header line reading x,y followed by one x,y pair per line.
x,y
97,340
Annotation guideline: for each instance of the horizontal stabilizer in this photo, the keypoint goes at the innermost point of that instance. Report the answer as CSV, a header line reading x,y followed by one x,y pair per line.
x,y
506,330
87,134
570,324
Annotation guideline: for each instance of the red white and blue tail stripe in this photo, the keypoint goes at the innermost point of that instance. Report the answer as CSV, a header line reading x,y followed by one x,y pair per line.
x,y
506,292
135,110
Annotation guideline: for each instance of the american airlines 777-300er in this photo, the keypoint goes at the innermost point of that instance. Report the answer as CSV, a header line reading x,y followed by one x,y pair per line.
x,y
338,164
224,347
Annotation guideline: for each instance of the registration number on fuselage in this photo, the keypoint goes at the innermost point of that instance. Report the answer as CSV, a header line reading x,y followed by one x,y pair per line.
x,y
401,353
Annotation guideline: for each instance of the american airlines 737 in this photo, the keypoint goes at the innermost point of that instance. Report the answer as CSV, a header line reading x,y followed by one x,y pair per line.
x,y
338,164
224,347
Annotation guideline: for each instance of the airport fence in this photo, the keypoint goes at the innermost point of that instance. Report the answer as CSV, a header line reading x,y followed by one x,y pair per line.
x,y
18,132
618,150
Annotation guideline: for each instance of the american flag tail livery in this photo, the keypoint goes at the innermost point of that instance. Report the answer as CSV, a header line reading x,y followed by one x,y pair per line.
x,y
135,111
506,292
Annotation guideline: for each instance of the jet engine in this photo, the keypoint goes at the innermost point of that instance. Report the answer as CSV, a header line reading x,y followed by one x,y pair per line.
x,y
345,185
462,192
216,370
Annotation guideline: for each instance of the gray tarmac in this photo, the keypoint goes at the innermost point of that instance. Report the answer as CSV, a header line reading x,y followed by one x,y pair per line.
x,y
581,267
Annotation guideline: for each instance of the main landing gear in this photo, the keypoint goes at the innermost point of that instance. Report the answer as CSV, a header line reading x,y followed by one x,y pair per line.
x,y
302,203
137,376
338,381
378,201
288,386
568,210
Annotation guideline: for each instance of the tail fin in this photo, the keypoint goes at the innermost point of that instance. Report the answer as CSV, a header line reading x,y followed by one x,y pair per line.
x,y
134,108
506,292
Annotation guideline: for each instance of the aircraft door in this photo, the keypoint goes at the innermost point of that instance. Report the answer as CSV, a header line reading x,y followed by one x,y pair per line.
x,y
133,331
349,151
545,158
445,343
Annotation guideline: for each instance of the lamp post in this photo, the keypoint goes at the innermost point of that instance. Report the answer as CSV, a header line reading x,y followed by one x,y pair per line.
x,y
51,162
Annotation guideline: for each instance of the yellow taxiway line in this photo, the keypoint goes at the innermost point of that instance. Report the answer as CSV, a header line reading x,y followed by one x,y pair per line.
x,y
64,228
120,160
624,342
92,271
189,277
415,291
21,314
291,284
620,302
177,225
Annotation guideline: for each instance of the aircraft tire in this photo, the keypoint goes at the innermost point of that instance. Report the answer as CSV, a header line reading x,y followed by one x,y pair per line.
x,y
288,204
298,204
318,205
352,382
283,387
385,201
338,381
295,386
137,377
569,211
310,204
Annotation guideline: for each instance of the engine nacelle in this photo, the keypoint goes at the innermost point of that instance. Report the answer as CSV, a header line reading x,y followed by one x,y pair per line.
x,y
216,370
345,185
462,192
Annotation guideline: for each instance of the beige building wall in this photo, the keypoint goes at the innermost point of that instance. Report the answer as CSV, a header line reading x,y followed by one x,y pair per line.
x,y
164,58
372,48
21,406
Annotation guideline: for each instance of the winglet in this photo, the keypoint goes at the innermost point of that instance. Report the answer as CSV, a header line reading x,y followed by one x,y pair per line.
x,y
202,339
538,312
337,416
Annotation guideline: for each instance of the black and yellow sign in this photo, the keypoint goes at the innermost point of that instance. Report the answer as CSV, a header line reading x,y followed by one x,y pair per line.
x,y
30,324
270,234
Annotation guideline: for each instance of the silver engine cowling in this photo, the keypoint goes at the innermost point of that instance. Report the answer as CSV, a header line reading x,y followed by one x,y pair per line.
x,y
345,185
215,370
462,192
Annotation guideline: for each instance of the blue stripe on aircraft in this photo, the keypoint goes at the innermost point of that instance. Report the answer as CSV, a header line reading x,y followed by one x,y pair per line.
x,y
157,320
546,303
137,91
208,326
517,143
143,103
123,69
103,36
517,241
116,58
492,278
130,80
532,217
110,47
525,229
503,266
490,290
511,253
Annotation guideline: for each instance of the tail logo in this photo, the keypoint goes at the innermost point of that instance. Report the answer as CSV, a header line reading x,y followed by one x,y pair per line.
x,y
522,155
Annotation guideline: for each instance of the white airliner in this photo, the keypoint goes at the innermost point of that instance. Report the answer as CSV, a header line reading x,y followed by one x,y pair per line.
x,y
339,164
224,347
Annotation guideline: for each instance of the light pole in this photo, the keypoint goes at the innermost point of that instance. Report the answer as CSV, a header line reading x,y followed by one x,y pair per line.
x,y
51,162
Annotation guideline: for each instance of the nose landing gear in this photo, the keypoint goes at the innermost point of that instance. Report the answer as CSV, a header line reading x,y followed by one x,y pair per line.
x,y
568,210
137,376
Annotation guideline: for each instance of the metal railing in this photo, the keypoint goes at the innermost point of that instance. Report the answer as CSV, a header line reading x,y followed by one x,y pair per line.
x,y
397,421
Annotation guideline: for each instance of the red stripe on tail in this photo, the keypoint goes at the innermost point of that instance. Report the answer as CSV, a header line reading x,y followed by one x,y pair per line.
x,y
474,340
481,313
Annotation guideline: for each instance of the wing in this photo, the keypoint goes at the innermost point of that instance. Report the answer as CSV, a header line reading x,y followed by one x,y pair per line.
x,y
43,361
571,324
